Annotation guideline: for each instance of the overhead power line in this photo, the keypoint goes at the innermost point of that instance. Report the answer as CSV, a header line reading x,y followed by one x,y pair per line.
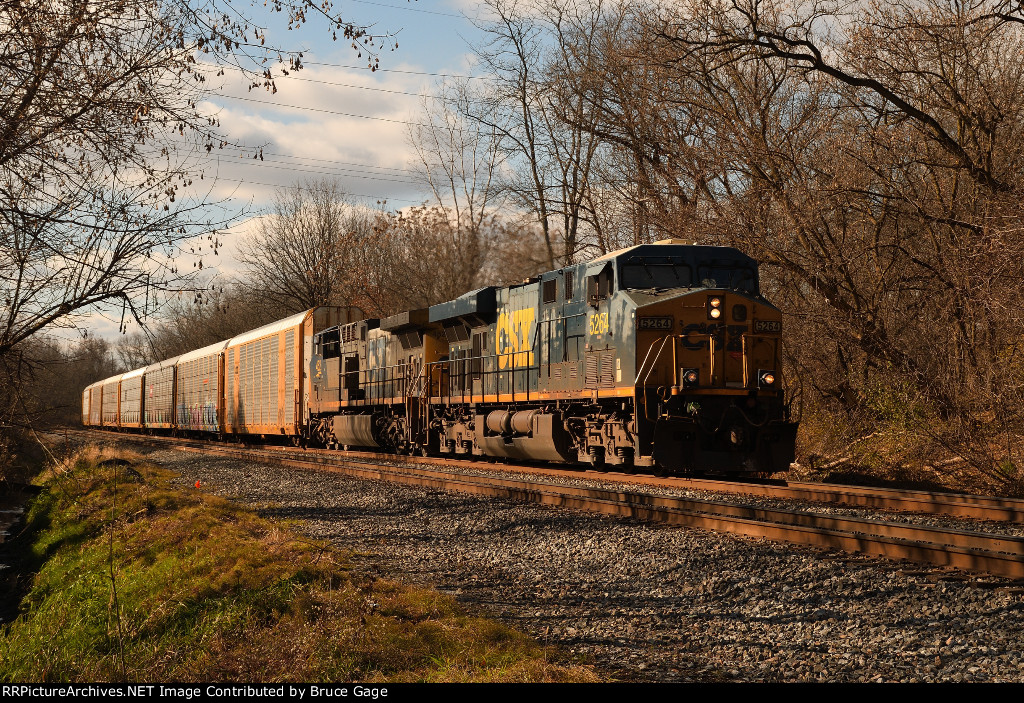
x,y
343,163
364,87
380,198
293,168
226,158
294,77
396,70
409,9
320,109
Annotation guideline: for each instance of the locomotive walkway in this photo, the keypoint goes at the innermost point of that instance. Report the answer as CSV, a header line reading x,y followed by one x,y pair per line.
x,y
997,554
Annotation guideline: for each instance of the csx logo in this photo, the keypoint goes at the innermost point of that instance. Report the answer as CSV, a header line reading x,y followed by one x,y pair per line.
x,y
598,323
695,335
514,331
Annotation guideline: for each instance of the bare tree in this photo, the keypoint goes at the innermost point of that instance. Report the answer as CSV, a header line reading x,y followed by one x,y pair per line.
x,y
196,319
306,251
872,160
459,159
547,134
102,144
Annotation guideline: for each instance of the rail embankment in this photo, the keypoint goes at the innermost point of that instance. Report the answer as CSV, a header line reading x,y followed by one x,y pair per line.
x,y
139,580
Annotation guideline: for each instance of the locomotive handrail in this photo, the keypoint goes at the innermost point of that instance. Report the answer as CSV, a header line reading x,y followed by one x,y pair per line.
x,y
675,370
376,378
675,365
648,356
643,396
746,370
462,391
461,376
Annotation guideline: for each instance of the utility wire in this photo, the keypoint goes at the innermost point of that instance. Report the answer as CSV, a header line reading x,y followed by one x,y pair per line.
x,y
226,158
344,163
294,77
292,168
378,198
323,110
396,70
343,174
409,9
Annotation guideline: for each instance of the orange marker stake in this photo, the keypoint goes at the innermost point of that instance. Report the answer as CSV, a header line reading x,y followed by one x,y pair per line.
x,y
197,484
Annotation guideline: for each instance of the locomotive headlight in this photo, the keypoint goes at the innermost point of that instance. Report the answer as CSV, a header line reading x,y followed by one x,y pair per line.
x,y
765,379
690,377
714,307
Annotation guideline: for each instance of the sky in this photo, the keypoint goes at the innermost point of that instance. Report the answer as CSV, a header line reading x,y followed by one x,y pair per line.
x,y
333,119
337,118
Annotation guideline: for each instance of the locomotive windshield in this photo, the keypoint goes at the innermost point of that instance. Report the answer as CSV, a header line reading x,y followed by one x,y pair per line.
x,y
638,272
724,276
647,272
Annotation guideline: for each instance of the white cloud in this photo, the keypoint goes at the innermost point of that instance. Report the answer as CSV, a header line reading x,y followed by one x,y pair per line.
x,y
324,122
369,157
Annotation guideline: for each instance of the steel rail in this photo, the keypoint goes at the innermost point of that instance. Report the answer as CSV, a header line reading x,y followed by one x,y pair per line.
x,y
1002,555
926,502
915,501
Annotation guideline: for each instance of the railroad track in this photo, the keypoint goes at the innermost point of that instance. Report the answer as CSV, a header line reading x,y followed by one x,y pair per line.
x,y
997,554
925,502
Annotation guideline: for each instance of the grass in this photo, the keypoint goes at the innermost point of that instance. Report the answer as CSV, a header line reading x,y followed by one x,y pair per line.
x,y
139,581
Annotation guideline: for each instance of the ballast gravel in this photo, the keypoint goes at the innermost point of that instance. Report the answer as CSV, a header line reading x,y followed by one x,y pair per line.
x,y
648,602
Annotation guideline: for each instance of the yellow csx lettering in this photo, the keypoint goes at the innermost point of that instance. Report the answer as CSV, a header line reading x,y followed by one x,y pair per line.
x,y
598,323
514,329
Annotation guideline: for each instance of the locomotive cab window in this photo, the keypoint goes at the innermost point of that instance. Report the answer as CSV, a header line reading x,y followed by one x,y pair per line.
x,y
330,344
550,291
600,285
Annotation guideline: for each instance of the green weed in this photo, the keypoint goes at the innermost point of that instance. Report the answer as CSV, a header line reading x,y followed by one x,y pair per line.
x,y
139,581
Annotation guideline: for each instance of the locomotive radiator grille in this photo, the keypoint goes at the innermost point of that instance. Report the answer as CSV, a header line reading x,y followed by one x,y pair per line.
x,y
593,369
608,370
600,369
